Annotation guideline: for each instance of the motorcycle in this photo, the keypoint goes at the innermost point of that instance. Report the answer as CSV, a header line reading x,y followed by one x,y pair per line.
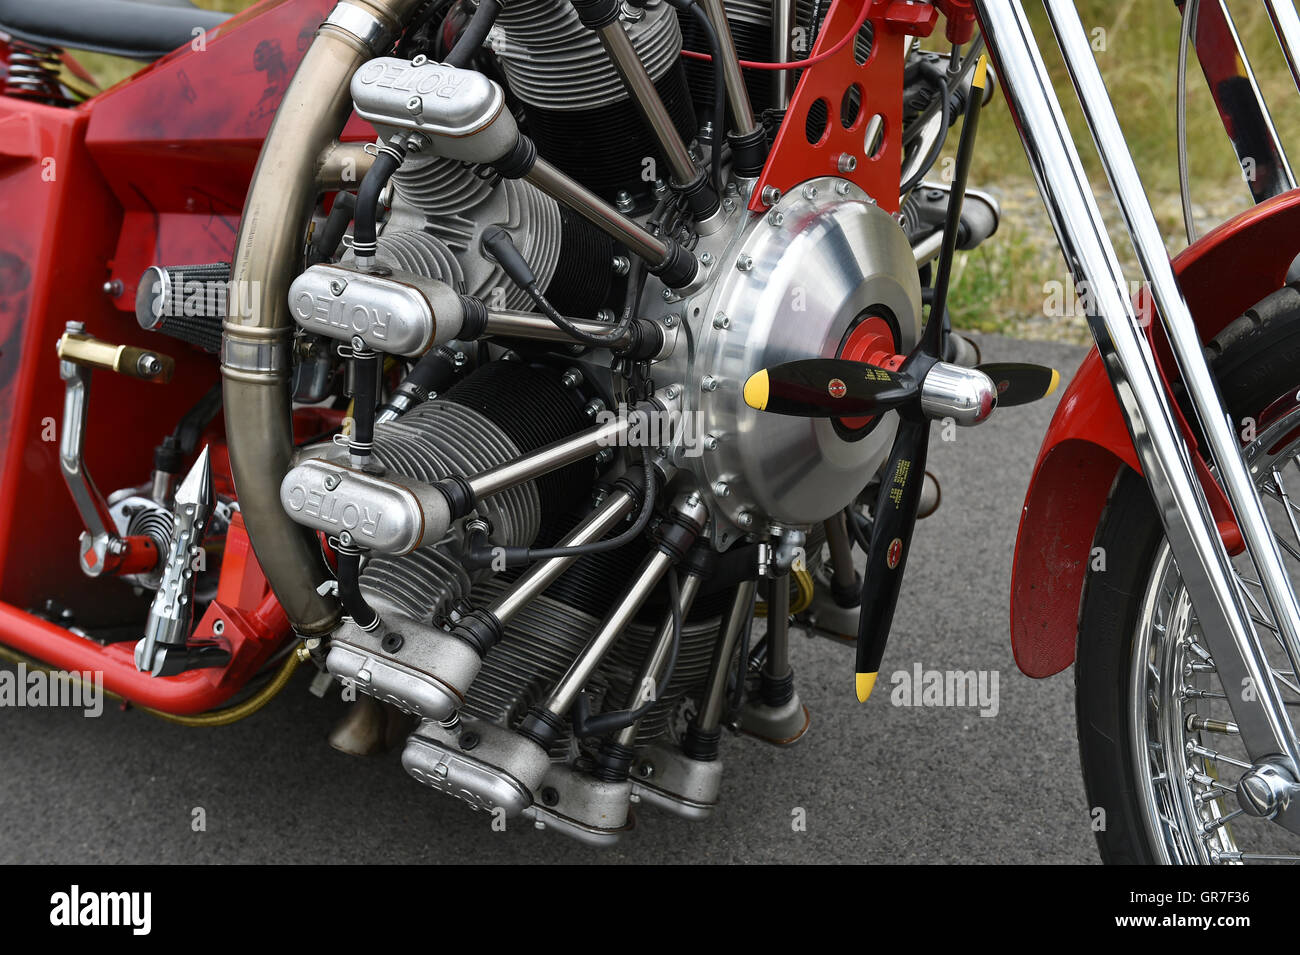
x,y
503,361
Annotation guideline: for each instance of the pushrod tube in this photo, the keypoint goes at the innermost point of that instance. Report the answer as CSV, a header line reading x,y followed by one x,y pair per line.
x,y
742,112
1081,232
542,574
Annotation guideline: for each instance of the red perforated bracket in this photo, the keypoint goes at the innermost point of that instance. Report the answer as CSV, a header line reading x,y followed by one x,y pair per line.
x,y
807,148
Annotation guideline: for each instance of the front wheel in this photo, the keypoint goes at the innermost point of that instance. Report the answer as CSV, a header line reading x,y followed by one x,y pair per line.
x,y
1156,737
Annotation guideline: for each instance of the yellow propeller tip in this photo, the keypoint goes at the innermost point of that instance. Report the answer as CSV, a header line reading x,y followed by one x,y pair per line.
x,y
1056,380
756,390
866,683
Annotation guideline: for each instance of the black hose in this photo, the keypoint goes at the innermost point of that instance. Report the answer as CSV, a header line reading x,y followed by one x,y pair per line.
x,y
475,32
326,243
719,86
940,79
814,24
365,228
350,596
498,243
951,85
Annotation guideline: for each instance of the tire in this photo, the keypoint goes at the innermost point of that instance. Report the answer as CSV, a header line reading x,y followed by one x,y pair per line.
x,y
1254,360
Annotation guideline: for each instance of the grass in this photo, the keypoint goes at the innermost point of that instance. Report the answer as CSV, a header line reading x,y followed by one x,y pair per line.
x,y
1000,285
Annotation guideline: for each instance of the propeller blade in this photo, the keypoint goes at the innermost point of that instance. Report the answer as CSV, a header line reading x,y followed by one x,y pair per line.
x,y
892,524
1019,383
827,388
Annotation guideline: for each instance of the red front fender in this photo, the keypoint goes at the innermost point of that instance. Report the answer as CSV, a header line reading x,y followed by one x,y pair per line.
x,y
1222,275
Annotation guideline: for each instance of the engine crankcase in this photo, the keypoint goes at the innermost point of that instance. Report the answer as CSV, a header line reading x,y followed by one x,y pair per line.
x,y
805,280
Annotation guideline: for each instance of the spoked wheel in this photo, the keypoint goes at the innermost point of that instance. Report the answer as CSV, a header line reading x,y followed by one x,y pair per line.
x,y
1160,751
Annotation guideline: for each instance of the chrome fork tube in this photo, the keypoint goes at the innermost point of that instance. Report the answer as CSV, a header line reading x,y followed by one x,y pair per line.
x,y
255,362
1081,231
1287,24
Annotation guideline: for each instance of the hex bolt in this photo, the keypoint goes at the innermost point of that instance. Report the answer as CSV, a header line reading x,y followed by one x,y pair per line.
x,y
744,519
114,288
711,442
337,286
810,191
459,359
709,383
770,195
571,378
706,258
420,60
672,391
593,407
621,265
605,315
776,218
842,188
148,365
623,200
846,162
331,482
720,489
745,262
415,105
668,295
720,320
670,320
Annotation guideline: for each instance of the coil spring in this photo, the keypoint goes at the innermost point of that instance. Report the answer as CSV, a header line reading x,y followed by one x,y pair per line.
x,y
34,74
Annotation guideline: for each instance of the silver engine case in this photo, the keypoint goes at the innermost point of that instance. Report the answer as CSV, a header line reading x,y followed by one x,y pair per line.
x,y
783,286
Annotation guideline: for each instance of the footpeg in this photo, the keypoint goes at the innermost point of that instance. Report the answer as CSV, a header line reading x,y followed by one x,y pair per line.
x,y
164,651
417,668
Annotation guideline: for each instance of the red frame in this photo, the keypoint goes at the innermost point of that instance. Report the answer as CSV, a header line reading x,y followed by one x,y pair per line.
x,y
154,170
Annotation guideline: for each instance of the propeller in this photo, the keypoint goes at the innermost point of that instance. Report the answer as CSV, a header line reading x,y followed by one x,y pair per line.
x,y
838,387
1019,383
922,388
828,388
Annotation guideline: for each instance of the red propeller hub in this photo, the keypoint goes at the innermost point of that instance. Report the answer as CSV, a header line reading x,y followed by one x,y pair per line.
x,y
870,341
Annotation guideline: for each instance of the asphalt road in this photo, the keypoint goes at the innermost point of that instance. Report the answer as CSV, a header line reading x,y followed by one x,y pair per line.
x,y
878,783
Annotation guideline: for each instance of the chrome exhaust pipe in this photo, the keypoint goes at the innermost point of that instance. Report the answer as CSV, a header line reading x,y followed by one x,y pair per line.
x,y
255,358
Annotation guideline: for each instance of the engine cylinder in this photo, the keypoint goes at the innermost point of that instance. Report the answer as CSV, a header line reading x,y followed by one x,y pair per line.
x,y
576,105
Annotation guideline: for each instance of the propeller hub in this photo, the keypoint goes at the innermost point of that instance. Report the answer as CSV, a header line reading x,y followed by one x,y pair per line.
x,y
966,395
